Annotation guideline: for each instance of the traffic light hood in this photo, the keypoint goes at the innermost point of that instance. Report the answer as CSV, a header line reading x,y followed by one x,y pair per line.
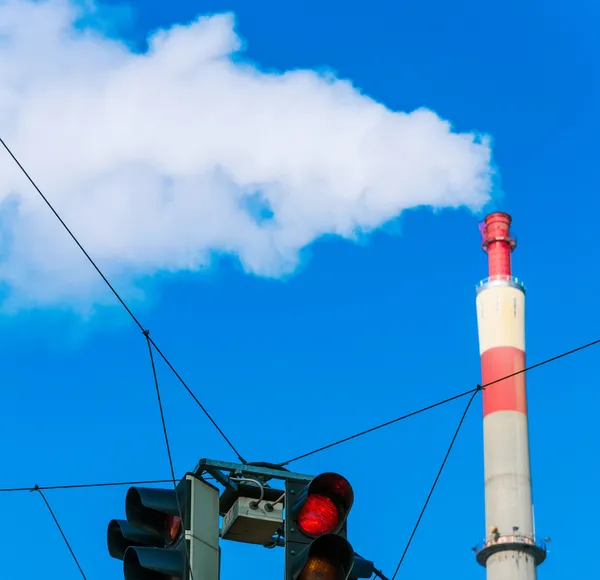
x,y
148,509
153,564
121,535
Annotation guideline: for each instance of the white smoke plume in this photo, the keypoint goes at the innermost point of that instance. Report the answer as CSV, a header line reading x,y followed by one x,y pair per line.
x,y
159,160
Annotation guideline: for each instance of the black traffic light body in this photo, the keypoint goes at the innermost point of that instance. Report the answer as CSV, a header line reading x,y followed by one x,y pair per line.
x,y
316,547
156,512
152,541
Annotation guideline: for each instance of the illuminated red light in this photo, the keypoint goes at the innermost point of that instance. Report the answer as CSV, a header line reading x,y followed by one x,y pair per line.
x,y
319,515
173,527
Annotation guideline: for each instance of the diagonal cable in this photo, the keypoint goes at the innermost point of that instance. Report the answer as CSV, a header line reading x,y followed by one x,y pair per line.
x,y
38,489
118,297
164,426
544,362
435,482
210,418
443,402
377,427
339,442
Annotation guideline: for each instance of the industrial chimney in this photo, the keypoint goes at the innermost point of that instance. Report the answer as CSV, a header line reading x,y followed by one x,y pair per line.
x,y
510,550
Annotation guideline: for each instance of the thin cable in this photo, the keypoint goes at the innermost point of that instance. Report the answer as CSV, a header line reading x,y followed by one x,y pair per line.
x,y
89,485
280,498
83,485
254,504
544,362
435,482
443,402
381,426
216,426
164,426
118,297
38,489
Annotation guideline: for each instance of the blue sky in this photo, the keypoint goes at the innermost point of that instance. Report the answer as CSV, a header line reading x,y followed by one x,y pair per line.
x,y
363,332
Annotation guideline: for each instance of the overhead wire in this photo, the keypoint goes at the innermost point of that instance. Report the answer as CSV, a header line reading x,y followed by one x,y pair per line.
x,y
89,485
377,427
83,485
62,533
168,445
442,402
120,299
435,482
339,442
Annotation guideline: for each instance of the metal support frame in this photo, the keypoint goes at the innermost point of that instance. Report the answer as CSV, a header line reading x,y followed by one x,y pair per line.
x,y
227,473
222,471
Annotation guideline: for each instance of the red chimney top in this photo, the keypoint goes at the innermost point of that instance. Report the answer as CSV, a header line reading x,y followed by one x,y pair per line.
x,y
498,243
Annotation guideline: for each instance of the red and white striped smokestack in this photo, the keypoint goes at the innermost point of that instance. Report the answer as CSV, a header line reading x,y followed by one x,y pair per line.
x,y
510,550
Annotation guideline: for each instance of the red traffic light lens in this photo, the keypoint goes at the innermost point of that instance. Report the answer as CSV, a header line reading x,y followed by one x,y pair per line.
x,y
321,568
319,515
173,527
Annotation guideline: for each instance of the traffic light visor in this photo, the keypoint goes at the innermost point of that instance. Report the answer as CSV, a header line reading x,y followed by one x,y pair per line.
x,y
329,498
153,564
121,535
155,511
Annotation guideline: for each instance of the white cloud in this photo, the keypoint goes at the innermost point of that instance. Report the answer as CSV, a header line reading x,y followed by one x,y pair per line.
x,y
154,159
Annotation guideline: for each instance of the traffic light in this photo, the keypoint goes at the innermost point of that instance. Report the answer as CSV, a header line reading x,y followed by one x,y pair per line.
x,y
156,542
316,547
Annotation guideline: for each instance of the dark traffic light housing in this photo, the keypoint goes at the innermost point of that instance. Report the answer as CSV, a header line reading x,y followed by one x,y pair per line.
x,y
151,541
316,547
154,540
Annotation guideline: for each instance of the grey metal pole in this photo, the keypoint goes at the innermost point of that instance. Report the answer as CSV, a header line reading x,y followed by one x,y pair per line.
x,y
203,535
